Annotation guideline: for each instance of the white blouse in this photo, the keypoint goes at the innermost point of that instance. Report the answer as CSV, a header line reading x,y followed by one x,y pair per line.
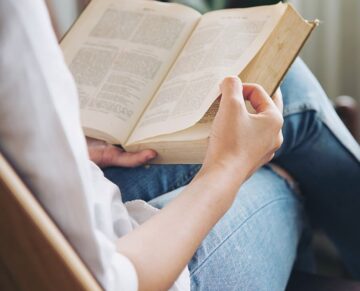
x,y
40,133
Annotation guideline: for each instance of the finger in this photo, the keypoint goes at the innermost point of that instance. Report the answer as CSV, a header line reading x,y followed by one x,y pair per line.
x,y
278,100
117,157
96,149
231,89
134,159
258,97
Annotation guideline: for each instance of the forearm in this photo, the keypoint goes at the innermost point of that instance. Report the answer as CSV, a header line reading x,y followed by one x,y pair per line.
x,y
165,244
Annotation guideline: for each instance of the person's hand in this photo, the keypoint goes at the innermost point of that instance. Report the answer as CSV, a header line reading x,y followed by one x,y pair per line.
x,y
241,141
107,155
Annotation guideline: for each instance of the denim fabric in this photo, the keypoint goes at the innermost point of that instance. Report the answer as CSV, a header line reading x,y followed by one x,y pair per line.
x,y
322,156
150,181
254,246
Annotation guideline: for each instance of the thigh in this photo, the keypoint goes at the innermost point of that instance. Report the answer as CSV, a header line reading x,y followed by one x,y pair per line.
x,y
319,152
150,181
254,246
302,93
329,177
301,90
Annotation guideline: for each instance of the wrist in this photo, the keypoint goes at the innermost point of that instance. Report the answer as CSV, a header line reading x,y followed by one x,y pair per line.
x,y
225,174
234,166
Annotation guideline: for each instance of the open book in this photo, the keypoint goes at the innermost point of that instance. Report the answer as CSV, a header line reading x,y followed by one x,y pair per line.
x,y
148,73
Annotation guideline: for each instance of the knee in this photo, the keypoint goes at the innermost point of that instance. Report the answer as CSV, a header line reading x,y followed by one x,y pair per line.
x,y
301,90
300,128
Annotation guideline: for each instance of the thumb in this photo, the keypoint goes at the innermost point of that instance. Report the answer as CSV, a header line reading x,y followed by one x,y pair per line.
x,y
133,159
114,156
232,89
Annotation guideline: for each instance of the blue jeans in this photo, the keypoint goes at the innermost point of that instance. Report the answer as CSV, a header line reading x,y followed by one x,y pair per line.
x,y
255,245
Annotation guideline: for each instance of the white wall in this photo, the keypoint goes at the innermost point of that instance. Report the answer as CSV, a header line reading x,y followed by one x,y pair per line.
x,y
66,12
333,52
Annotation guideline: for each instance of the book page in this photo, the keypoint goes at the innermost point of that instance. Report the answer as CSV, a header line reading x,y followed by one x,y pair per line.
x,y
197,132
223,43
119,52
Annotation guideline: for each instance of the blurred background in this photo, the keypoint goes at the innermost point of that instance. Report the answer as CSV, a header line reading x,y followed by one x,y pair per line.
x,y
333,53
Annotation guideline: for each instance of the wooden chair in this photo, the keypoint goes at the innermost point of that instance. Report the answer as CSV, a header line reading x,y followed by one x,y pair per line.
x,y
34,255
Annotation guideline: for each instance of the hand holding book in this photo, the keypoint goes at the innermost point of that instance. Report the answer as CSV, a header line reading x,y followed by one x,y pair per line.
x,y
240,141
232,124
107,155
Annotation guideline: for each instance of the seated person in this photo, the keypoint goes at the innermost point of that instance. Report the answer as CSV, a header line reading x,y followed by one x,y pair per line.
x,y
236,225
